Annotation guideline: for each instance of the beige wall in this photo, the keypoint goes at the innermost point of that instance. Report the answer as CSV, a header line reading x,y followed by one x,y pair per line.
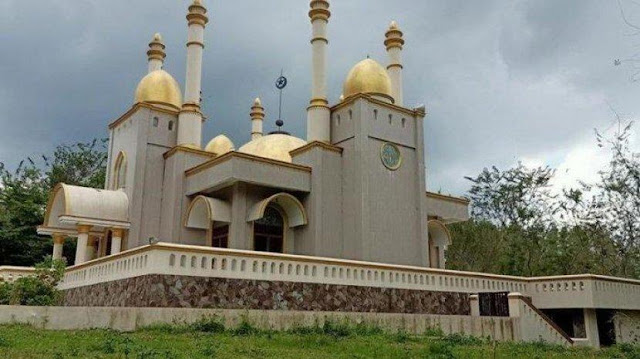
x,y
384,220
127,319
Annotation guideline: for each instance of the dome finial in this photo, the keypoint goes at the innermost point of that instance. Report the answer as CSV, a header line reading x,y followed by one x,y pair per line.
x,y
393,25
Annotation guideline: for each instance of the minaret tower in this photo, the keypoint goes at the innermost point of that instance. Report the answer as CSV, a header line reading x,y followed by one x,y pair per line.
x,y
394,42
190,118
257,116
156,53
318,112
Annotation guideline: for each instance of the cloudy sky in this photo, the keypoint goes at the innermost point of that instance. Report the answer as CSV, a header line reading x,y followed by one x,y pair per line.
x,y
503,81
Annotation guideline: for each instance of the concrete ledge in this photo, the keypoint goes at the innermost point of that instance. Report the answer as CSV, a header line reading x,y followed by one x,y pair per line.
x,y
128,319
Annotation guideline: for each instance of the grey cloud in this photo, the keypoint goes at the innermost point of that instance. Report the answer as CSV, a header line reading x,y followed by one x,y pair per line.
x,y
501,80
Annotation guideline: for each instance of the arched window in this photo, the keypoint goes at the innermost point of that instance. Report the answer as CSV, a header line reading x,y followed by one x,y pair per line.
x,y
120,172
268,231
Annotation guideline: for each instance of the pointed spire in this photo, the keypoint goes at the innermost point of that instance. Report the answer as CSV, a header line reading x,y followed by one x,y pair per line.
x,y
257,117
156,54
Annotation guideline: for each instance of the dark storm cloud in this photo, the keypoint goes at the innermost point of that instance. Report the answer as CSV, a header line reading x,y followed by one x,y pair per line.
x,y
502,80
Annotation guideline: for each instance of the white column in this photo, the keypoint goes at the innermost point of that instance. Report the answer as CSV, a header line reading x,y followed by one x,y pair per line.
x,y
91,251
318,112
257,117
190,118
156,53
394,43
58,242
116,240
81,245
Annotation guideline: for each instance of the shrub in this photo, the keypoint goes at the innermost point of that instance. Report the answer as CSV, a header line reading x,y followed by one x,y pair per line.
x,y
5,293
245,328
208,325
38,289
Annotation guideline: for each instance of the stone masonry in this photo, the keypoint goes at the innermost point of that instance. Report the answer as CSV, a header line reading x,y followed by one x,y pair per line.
x,y
203,292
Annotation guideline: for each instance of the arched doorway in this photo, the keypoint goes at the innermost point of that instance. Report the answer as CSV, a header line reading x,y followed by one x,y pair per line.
x,y
439,241
268,231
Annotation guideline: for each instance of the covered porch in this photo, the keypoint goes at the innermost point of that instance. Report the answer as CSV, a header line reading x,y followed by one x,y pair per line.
x,y
97,219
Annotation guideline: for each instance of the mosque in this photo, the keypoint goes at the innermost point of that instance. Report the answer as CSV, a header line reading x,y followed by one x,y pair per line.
x,y
339,221
353,189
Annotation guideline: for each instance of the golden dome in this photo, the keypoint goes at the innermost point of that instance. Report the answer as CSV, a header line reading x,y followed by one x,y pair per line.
x,y
368,77
158,87
274,146
220,145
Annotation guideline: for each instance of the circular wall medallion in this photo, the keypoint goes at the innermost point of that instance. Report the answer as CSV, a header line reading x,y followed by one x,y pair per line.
x,y
390,156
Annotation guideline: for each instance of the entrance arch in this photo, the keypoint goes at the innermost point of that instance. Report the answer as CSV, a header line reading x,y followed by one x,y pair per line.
x,y
439,241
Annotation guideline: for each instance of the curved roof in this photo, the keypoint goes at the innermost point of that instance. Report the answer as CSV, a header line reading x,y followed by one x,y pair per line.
x,y
159,87
72,205
438,231
204,210
275,146
368,77
296,214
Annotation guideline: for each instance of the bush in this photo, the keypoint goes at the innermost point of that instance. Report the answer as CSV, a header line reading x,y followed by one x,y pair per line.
x,y
245,328
208,325
5,293
38,289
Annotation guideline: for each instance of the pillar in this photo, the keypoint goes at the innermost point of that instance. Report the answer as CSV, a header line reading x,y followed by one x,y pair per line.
x,y
58,242
156,53
318,112
394,43
257,117
81,245
190,117
475,305
116,240
91,251
514,303
591,327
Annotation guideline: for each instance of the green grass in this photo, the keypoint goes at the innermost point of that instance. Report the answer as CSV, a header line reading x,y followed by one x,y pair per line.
x,y
209,339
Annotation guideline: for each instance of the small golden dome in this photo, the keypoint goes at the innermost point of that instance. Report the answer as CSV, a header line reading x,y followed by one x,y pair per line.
x,y
274,146
159,87
368,77
220,145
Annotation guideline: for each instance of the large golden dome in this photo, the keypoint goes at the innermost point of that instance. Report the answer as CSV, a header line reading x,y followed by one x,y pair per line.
x,y
368,77
274,146
159,87
220,145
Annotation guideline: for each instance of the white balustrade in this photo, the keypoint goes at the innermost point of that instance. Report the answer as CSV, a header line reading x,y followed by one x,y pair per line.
x,y
580,291
12,273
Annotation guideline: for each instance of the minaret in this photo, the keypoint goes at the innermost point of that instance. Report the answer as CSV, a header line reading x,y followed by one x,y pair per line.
x,y
318,112
190,118
394,42
156,53
257,116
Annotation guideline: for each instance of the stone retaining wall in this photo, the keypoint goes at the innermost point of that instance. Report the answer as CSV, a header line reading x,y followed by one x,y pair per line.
x,y
202,292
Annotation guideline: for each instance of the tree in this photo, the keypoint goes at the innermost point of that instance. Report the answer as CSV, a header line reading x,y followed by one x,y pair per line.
x,y
616,205
24,194
519,196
